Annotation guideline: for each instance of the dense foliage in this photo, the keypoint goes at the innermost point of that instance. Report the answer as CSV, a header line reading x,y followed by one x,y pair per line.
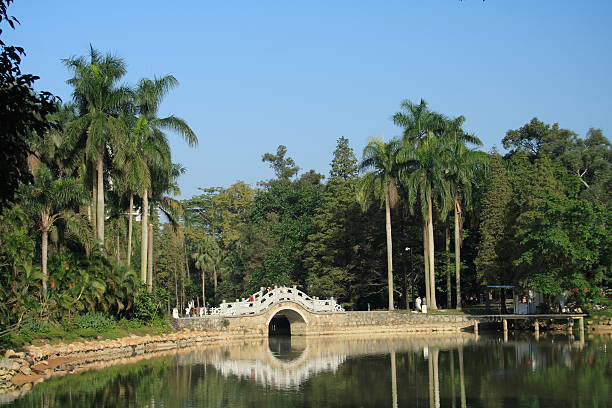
x,y
71,185
537,218
88,223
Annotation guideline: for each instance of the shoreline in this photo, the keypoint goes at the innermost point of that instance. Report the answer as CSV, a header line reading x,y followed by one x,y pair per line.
x,y
21,370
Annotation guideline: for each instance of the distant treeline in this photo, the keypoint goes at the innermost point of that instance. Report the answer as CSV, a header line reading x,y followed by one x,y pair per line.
x,y
537,217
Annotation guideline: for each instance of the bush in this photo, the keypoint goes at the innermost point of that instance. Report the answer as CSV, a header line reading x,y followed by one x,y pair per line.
x,y
149,306
97,321
87,333
33,331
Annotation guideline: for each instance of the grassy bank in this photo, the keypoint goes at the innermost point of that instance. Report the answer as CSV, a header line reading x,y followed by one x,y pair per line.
x,y
91,326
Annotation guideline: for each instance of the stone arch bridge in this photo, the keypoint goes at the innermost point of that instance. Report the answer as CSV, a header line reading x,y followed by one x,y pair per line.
x,y
287,310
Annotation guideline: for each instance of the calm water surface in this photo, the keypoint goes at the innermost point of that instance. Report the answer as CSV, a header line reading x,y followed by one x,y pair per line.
x,y
434,371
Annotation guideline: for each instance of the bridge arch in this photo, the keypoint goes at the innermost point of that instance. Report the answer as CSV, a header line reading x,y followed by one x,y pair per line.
x,y
287,318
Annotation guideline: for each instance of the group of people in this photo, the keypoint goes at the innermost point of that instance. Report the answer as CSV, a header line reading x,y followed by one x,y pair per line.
x,y
190,311
420,304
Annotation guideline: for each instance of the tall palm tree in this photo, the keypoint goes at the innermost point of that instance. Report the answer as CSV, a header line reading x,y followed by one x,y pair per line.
x,y
380,184
207,258
50,199
461,167
420,124
153,143
165,185
421,173
417,121
134,175
99,100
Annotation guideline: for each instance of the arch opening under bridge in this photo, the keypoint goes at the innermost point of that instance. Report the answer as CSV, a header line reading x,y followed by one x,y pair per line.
x,y
287,321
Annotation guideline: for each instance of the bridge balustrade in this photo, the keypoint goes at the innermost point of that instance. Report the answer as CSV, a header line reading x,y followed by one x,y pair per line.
x,y
264,299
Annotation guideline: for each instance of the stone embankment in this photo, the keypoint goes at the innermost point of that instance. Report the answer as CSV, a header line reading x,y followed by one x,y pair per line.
x,y
604,325
19,370
34,364
330,324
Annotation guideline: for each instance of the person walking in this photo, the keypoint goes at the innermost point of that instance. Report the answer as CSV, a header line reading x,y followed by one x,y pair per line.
x,y
417,303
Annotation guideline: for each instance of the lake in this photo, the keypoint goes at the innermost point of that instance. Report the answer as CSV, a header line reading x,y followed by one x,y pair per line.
x,y
462,370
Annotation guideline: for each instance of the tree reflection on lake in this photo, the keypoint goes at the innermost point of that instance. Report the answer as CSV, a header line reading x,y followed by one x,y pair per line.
x,y
432,371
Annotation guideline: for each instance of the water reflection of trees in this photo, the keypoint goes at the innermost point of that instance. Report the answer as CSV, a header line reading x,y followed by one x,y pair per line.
x,y
391,373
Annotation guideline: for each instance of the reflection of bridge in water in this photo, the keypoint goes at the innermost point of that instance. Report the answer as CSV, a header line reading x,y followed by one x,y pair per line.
x,y
287,368
288,362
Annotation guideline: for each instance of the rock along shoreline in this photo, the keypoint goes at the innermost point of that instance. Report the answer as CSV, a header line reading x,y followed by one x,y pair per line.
x,y
20,370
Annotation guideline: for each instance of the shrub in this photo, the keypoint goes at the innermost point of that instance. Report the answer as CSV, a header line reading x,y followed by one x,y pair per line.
x,y
87,333
97,321
149,306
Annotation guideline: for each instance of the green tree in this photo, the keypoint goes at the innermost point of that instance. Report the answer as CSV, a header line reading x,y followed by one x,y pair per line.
x,y
208,257
566,247
422,149
589,158
284,167
283,211
332,254
50,199
23,113
99,100
133,171
344,163
379,159
422,174
153,145
493,262
462,166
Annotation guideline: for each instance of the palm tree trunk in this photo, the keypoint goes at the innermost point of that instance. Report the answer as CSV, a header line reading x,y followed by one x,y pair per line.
x,y
452,373
426,261
43,257
129,240
186,258
183,297
94,197
203,289
436,376
389,249
458,252
432,264
117,248
432,395
176,289
215,284
144,221
393,379
462,379
150,257
449,294
100,199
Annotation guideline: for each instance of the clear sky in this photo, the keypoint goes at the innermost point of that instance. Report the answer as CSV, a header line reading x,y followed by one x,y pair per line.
x,y
256,74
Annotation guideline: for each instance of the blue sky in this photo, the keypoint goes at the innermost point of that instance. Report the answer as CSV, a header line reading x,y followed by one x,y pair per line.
x,y
254,75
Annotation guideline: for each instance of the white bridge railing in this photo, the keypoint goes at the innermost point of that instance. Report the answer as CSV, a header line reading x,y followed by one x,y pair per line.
x,y
264,299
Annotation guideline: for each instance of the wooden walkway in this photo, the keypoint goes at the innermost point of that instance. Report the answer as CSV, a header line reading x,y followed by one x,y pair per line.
x,y
536,318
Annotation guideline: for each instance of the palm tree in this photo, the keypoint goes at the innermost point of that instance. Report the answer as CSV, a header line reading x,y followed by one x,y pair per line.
x,y
165,183
50,199
420,124
153,143
462,165
207,258
134,175
417,121
380,184
421,173
99,101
